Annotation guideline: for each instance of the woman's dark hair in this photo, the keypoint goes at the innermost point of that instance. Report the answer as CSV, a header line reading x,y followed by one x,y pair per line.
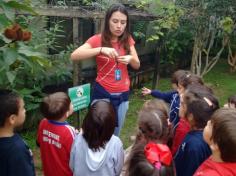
x,y
201,103
224,133
54,106
139,165
106,33
99,124
232,100
9,105
176,76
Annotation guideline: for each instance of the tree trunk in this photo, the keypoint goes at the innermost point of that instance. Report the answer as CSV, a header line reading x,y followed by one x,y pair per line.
x,y
231,59
194,56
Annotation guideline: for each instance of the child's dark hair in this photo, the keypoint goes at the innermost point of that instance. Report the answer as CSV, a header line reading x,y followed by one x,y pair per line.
x,y
55,105
159,104
224,133
99,124
189,79
177,76
153,125
232,100
9,104
139,165
201,103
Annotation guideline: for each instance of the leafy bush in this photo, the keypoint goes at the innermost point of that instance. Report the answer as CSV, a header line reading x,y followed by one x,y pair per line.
x,y
25,65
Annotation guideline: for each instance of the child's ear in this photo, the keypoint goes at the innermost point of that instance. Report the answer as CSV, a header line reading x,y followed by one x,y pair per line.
x,y
68,113
12,119
214,147
191,119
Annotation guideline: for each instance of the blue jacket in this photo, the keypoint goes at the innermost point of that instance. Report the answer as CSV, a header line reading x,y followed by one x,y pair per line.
x,y
16,157
191,153
174,100
100,93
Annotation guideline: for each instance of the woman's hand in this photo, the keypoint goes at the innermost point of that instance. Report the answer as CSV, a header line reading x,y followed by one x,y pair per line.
x,y
109,52
146,91
124,59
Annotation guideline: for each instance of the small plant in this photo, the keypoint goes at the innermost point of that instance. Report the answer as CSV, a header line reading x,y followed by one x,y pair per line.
x,y
139,29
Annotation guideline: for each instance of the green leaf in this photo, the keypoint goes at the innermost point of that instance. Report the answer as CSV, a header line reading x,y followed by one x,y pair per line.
x,y
4,39
19,6
4,21
9,12
32,106
2,69
160,33
3,76
155,37
25,60
227,24
11,76
25,51
42,61
2,42
26,91
10,55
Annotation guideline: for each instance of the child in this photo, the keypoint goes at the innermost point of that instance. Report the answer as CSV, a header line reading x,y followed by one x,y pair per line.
x,y
153,126
157,104
96,151
150,160
180,132
219,133
151,139
180,80
16,157
171,97
189,79
197,105
55,135
231,102
183,126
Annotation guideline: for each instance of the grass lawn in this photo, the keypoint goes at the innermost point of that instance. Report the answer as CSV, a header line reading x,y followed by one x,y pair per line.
x,y
219,79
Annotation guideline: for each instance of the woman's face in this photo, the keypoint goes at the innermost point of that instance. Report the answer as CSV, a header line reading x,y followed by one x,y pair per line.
x,y
117,24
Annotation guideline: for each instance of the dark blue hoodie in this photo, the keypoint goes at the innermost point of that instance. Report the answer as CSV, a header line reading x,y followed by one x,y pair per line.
x,y
174,100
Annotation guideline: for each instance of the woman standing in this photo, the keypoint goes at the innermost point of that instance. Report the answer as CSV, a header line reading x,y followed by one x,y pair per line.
x,y
114,50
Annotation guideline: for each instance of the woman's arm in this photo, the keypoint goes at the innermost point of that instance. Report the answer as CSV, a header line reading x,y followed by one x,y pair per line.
x,y
135,63
85,51
131,59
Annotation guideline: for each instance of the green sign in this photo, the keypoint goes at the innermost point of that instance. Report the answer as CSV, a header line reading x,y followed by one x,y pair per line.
x,y
80,96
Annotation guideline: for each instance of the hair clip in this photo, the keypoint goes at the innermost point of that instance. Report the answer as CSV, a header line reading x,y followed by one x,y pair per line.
x,y
188,75
208,101
158,154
